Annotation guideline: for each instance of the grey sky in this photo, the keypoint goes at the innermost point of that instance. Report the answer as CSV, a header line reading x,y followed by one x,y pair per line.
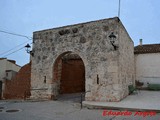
x,y
140,18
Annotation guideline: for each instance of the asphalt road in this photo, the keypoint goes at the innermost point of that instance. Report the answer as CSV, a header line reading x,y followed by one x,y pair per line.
x,y
63,110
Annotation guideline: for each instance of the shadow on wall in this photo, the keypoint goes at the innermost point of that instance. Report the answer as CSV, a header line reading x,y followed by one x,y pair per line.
x,y
19,86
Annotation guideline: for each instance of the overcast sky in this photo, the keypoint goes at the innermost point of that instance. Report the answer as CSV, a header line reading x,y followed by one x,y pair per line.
x,y
140,18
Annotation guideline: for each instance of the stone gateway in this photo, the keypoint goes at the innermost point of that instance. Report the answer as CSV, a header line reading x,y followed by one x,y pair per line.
x,y
103,51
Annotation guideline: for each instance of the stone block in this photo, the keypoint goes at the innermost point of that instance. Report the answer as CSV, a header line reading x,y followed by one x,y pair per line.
x,y
113,69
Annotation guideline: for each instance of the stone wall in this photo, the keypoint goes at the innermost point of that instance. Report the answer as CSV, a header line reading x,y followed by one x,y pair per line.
x,y
106,71
126,68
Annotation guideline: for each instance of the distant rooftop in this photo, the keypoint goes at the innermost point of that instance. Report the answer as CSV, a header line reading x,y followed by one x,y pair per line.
x,y
12,61
2,58
147,48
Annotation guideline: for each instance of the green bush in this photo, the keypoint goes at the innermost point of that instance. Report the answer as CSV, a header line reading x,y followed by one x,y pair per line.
x,y
131,89
154,86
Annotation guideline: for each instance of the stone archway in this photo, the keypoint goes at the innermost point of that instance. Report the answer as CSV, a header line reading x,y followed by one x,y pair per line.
x,y
108,71
69,73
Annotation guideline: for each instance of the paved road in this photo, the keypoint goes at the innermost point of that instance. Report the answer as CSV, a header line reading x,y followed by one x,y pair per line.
x,y
58,110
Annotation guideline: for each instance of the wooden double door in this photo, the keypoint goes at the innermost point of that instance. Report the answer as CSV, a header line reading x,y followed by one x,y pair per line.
x,y
72,77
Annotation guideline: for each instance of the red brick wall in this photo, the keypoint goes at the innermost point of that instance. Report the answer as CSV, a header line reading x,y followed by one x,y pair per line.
x,y
57,69
19,86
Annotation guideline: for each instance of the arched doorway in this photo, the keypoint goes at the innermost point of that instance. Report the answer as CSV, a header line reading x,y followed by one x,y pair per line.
x,y
69,73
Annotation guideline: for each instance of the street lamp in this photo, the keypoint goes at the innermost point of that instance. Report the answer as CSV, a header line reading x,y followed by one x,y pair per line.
x,y
28,48
112,38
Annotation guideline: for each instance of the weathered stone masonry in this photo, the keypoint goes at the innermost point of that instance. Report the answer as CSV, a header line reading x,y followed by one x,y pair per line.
x,y
108,71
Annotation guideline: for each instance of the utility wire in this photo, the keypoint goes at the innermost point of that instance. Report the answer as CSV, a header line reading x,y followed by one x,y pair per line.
x,y
15,51
30,38
13,48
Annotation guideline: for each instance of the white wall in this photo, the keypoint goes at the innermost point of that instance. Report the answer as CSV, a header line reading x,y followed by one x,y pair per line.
x,y
6,65
148,67
11,66
2,68
10,74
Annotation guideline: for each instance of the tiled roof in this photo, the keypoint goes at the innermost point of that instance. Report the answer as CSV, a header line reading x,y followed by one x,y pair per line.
x,y
147,48
2,58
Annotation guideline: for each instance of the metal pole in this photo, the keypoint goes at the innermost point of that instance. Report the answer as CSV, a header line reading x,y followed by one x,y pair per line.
x,y
81,100
119,8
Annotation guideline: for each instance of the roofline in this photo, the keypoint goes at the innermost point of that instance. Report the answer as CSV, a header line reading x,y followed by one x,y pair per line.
x,y
121,24
2,58
146,52
10,61
72,25
147,44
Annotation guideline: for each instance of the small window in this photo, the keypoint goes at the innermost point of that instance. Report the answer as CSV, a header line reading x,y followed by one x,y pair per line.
x,y
97,79
44,79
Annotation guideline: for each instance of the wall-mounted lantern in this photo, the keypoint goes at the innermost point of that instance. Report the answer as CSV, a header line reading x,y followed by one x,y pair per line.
x,y
28,47
112,38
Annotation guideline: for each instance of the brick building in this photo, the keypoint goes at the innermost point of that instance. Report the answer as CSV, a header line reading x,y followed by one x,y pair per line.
x,y
8,69
19,86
